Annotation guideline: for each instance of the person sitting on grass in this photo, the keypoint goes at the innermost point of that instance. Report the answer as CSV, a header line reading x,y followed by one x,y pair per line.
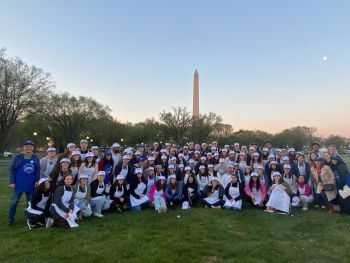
x,y
173,192
38,209
118,194
281,192
157,195
138,189
99,201
63,210
255,190
234,194
190,192
304,194
81,192
202,178
213,194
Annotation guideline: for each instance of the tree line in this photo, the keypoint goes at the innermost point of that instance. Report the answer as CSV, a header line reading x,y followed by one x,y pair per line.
x,y
30,104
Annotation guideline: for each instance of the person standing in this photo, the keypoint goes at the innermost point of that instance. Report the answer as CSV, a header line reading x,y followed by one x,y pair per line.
x,y
48,163
23,176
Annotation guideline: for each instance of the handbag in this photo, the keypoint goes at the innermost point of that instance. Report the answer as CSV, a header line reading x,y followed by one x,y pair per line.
x,y
328,187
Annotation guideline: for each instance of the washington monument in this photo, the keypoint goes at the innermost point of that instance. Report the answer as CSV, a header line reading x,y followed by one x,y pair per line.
x,y
196,94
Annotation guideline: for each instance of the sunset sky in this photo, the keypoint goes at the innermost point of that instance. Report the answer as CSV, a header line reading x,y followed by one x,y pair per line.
x,y
265,65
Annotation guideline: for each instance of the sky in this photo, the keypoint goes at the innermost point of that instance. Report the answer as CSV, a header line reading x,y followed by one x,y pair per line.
x,y
261,64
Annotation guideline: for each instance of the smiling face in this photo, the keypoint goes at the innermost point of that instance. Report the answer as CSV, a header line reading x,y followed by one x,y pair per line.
x,y
68,180
28,148
65,165
47,185
234,178
83,181
214,183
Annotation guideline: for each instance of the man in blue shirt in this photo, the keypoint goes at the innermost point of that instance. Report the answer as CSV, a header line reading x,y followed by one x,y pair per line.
x,y
23,176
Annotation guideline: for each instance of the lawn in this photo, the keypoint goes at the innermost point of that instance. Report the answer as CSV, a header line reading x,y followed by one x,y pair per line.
x,y
198,235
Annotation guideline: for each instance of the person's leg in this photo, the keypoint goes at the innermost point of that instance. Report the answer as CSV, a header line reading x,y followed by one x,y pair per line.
x,y
136,208
13,206
29,197
105,205
157,204
96,206
205,203
87,212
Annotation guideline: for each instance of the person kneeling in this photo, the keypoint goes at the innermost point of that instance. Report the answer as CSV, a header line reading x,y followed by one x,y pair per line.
x,y
214,193
118,194
63,210
304,194
234,194
81,192
99,201
280,195
38,208
157,195
256,191
190,192
173,192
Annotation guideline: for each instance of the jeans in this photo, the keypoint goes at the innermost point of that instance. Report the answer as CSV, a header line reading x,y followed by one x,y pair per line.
x,y
13,204
83,213
138,207
158,202
99,205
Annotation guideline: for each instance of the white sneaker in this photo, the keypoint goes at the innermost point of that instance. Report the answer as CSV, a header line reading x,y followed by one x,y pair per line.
x,y
49,222
165,209
160,210
305,209
98,215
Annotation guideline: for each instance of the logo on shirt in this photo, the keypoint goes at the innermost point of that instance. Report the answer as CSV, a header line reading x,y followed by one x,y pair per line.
x,y
28,168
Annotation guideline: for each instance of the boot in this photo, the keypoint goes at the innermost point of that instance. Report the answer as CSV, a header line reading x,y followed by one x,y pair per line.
x,y
319,203
330,207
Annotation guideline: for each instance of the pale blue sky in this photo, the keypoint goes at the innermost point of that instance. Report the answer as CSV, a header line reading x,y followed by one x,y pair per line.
x,y
260,62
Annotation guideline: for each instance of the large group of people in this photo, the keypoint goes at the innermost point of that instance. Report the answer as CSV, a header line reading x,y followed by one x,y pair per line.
x,y
83,182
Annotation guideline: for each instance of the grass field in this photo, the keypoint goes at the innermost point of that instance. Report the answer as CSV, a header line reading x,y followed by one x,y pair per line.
x,y
199,235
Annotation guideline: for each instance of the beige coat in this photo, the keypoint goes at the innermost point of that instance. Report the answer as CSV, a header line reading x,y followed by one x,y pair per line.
x,y
327,177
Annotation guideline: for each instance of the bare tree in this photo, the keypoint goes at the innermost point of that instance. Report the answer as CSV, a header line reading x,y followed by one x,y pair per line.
x,y
22,88
176,123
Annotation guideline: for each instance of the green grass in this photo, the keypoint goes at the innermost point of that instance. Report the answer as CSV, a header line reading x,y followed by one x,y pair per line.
x,y
199,235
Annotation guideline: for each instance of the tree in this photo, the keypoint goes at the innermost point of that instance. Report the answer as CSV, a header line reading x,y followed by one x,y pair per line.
x,y
22,88
176,124
296,137
207,126
68,118
338,141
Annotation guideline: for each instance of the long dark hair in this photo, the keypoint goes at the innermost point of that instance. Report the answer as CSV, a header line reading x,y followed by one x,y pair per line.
x,y
73,162
92,163
159,186
251,183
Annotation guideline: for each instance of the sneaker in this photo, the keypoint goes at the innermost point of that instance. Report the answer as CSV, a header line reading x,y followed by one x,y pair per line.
x,y
216,206
165,209
40,224
323,207
49,223
305,209
98,215
119,209
30,226
160,210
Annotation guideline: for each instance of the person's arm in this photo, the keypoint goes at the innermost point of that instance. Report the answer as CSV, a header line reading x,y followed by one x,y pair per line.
x,y
179,193
241,189
48,204
263,191
94,186
168,193
151,193
12,171
112,191
37,169
221,192
57,199
227,191
88,195
38,195
287,188
132,190
94,177
247,190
